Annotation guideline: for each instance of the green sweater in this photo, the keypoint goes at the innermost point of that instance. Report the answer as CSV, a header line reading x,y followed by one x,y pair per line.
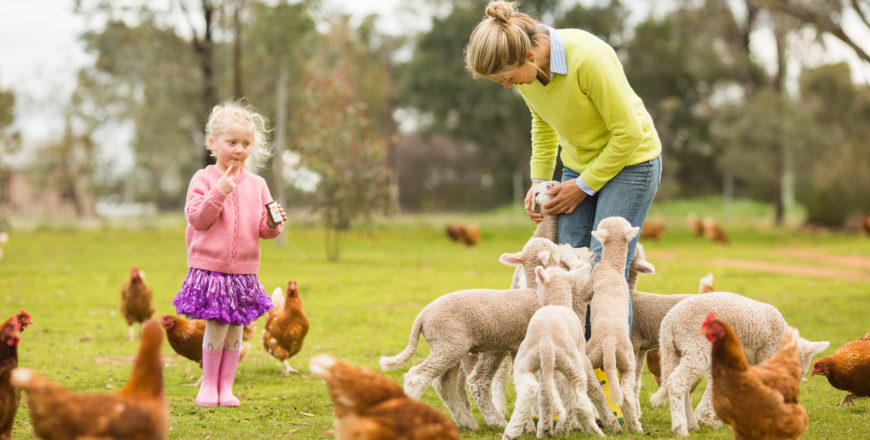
x,y
591,111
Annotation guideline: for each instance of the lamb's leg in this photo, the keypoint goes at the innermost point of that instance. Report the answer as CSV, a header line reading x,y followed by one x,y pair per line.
x,y
631,406
499,385
704,412
546,407
679,385
527,390
480,381
577,399
599,399
640,357
441,359
448,386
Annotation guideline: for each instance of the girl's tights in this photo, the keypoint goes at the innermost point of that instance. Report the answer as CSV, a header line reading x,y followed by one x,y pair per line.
x,y
222,336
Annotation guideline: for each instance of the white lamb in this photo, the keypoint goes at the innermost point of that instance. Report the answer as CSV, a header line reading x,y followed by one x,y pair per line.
x,y
610,345
685,354
470,321
554,341
489,372
649,310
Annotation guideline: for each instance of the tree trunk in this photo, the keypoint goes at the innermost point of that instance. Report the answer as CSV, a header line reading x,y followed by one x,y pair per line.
x,y
204,50
333,243
237,50
280,140
780,170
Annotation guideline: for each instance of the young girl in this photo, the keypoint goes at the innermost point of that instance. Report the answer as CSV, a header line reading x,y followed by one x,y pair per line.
x,y
226,217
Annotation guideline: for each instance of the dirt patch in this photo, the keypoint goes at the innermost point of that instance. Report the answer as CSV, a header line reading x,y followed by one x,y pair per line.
x,y
796,269
813,255
123,360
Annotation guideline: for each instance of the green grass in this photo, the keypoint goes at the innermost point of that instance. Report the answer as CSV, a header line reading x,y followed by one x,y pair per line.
x,y
362,306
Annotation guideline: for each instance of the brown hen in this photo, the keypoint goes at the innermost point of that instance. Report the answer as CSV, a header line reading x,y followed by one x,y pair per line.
x,y
759,402
10,333
136,300
286,326
137,412
848,369
185,337
370,406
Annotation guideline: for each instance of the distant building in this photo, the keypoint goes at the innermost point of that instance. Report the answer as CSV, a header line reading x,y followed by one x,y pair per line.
x,y
21,194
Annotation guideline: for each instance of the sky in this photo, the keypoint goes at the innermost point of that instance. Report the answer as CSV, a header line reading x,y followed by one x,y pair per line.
x,y
40,52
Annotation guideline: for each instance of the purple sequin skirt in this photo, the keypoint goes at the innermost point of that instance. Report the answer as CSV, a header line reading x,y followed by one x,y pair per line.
x,y
237,299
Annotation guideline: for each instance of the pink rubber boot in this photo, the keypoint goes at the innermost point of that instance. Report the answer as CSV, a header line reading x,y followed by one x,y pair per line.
x,y
229,363
208,390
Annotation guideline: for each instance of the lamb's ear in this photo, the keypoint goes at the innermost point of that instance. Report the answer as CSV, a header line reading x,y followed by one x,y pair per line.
x,y
630,233
818,347
533,206
643,266
544,258
600,235
514,259
541,276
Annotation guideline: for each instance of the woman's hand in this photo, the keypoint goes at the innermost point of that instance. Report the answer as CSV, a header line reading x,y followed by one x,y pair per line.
x,y
566,197
225,183
535,216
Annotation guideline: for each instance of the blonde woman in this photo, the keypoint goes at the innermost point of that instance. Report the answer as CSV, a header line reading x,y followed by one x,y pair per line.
x,y
580,99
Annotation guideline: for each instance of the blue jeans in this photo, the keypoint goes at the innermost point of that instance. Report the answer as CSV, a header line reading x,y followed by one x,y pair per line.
x,y
629,194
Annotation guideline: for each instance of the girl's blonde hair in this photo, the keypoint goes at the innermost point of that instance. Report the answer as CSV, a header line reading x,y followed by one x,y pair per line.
x,y
242,113
501,40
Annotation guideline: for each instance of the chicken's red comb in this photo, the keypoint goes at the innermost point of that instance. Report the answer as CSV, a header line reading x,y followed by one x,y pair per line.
x,y
24,319
710,317
291,285
134,272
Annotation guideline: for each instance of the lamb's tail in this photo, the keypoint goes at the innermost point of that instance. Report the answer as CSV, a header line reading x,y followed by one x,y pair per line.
x,y
608,351
668,362
548,375
392,362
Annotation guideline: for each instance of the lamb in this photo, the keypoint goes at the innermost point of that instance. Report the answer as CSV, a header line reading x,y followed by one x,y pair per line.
x,y
685,354
554,340
491,371
470,321
547,229
610,345
649,310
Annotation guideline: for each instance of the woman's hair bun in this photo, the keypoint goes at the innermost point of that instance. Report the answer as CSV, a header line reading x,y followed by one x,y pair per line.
x,y
501,10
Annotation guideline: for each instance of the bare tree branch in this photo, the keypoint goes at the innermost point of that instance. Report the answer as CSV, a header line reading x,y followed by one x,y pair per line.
x,y
856,5
822,22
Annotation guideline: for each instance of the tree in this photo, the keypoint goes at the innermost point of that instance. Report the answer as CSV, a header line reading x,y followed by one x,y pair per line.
x,y
448,101
9,143
338,142
835,172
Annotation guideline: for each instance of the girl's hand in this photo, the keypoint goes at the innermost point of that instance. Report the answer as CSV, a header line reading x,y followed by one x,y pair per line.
x,y
567,196
225,183
535,216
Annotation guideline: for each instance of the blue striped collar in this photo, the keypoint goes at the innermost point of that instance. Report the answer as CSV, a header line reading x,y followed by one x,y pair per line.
x,y
558,58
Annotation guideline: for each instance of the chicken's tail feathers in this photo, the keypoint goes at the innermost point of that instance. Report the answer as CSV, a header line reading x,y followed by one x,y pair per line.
x,y
609,354
278,298
392,362
24,378
705,285
320,364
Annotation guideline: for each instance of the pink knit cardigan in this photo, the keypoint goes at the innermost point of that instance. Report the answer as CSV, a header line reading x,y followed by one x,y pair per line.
x,y
223,230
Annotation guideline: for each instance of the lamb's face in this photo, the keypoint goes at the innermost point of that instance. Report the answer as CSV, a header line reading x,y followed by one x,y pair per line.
x,y
540,196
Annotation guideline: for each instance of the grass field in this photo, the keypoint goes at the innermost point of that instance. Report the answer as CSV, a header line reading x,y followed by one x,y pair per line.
x,y
362,306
